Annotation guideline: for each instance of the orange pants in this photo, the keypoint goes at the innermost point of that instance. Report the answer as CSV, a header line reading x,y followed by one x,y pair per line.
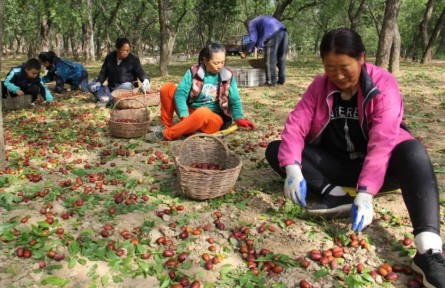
x,y
202,119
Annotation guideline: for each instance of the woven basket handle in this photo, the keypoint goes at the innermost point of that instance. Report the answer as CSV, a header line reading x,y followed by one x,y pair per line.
x,y
202,135
133,99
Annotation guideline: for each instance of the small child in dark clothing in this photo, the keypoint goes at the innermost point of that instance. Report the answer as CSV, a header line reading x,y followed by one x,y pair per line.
x,y
25,79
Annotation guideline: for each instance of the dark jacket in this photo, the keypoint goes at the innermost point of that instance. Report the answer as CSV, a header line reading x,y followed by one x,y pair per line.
x,y
129,70
63,71
16,80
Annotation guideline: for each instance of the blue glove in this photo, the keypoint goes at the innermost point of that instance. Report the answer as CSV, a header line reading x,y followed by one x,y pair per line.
x,y
145,85
295,185
95,87
362,211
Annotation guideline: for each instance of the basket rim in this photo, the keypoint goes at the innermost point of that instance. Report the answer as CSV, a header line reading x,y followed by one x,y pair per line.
x,y
143,105
201,135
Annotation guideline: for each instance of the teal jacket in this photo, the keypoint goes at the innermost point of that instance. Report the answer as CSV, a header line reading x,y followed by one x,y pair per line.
x,y
208,96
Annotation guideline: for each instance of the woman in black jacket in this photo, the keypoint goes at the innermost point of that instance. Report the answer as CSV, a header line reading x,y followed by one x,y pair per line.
x,y
121,68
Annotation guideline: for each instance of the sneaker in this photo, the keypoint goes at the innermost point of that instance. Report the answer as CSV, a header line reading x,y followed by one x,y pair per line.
x,y
431,266
155,137
332,206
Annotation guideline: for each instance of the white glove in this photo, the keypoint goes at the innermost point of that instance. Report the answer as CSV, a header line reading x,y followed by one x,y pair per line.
x,y
146,85
295,185
362,211
95,87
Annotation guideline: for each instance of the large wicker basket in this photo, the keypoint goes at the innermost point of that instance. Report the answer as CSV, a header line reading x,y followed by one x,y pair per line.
x,y
18,102
128,129
204,184
151,98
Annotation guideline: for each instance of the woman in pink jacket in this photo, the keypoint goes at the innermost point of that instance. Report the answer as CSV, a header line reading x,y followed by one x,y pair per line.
x,y
348,130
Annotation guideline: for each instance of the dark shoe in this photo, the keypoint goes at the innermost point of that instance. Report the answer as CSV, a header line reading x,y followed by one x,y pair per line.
x,y
332,206
431,266
155,137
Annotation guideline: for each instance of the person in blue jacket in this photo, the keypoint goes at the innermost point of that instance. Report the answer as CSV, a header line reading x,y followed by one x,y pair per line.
x,y
270,35
63,71
25,80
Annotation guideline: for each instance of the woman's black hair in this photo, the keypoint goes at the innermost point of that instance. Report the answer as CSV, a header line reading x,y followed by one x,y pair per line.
x,y
33,63
207,52
47,57
342,41
121,42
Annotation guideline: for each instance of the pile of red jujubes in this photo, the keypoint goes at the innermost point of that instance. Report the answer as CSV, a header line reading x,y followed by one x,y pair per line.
x,y
206,166
387,271
124,120
255,259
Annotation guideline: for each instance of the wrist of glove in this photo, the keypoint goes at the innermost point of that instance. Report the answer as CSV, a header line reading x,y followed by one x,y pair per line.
x,y
96,87
295,185
245,123
145,85
362,211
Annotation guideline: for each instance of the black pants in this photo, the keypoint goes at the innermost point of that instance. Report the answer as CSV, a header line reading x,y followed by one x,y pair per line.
x,y
32,90
409,169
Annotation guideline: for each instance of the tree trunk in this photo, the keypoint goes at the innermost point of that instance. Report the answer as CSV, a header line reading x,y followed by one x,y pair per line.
x,y
3,161
355,17
425,22
394,59
427,53
110,21
45,27
163,22
387,34
280,9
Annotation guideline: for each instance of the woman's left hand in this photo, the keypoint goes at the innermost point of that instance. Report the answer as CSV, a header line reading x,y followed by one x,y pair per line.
x,y
245,123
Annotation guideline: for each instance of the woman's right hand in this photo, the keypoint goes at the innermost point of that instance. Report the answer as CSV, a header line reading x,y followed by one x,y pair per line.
x,y
20,93
295,185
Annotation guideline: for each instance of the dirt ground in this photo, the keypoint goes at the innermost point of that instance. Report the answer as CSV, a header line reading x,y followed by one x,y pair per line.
x,y
104,243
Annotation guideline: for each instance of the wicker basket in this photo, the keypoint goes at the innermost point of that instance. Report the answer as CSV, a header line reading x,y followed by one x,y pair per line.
x,y
18,102
204,184
125,129
257,63
151,98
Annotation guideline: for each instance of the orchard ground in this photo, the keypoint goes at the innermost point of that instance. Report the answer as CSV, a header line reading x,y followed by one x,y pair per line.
x,y
96,211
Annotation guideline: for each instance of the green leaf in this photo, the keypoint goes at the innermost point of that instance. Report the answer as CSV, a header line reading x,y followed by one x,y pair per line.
x,y
54,280
4,227
53,267
73,248
43,224
225,270
82,262
104,280
72,262
117,279
242,205
321,273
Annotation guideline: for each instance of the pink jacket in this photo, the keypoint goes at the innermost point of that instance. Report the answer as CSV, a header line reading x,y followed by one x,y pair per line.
x,y
380,111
